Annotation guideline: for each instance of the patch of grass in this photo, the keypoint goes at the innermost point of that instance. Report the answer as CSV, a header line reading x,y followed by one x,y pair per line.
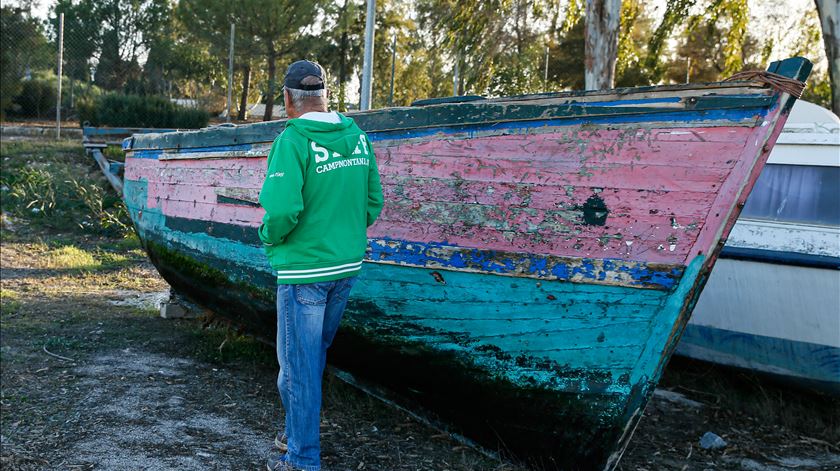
x,y
114,153
54,185
72,258
130,243
221,345
9,302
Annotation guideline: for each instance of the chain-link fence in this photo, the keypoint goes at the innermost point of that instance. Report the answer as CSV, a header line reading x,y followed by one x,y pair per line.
x,y
94,65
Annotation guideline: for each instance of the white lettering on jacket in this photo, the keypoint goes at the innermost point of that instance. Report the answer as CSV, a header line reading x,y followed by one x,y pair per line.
x,y
341,164
322,155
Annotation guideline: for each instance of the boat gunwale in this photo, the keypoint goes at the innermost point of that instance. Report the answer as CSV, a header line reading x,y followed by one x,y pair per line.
x,y
579,99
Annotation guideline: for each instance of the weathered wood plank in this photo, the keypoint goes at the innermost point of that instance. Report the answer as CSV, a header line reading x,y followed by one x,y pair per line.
x,y
547,196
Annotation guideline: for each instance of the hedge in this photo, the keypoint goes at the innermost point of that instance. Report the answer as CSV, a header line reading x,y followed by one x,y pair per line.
x,y
36,98
135,111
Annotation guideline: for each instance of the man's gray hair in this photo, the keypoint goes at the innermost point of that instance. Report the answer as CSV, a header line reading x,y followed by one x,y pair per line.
x,y
300,98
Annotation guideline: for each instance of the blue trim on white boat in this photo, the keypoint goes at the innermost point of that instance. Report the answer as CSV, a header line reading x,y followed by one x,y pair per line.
x,y
803,361
781,257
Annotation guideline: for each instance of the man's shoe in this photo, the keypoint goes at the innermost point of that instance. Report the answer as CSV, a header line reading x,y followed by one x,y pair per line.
x,y
275,462
280,442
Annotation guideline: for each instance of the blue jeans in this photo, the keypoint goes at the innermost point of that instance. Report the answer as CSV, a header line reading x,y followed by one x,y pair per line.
x,y
307,319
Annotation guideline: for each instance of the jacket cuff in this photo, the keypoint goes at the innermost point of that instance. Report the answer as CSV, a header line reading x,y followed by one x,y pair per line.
x,y
262,232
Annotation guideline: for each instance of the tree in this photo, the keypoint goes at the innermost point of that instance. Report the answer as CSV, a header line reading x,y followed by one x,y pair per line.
x,y
276,26
410,80
208,23
128,27
602,25
23,49
635,30
829,11
676,12
339,47
496,44
82,37
566,57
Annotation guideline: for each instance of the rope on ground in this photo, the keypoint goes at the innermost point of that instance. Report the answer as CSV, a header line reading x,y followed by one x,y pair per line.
x,y
784,84
57,356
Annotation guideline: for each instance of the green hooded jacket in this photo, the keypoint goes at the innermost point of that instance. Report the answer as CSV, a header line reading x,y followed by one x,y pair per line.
x,y
320,194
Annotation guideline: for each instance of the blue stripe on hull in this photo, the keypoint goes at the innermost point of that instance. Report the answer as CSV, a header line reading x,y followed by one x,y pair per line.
x,y
802,361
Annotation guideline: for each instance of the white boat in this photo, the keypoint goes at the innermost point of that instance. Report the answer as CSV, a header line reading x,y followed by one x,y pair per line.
x,y
772,304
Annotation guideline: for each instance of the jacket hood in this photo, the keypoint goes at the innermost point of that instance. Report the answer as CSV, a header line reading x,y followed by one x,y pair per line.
x,y
341,137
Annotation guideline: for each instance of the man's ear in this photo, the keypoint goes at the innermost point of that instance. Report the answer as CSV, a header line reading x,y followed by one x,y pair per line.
x,y
287,101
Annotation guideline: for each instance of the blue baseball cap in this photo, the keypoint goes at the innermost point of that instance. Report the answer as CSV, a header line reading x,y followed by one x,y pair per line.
x,y
300,70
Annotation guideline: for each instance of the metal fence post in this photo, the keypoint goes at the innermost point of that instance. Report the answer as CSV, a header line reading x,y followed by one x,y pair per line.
x,y
60,62
545,77
367,68
393,68
230,72
455,76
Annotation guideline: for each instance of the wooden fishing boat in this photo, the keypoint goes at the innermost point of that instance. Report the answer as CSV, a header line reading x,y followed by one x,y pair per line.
x,y
536,260
772,304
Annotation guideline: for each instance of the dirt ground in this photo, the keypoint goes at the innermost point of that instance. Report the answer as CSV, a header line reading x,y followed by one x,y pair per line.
x,y
91,377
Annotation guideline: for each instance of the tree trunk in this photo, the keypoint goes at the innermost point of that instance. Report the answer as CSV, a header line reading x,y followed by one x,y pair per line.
x,y
243,101
601,43
272,72
829,11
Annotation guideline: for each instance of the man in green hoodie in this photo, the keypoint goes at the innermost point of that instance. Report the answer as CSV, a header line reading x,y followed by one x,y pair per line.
x,y
320,194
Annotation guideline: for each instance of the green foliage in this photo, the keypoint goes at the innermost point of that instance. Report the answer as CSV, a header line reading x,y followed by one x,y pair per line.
x,y
818,90
566,59
36,98
717,44
55,186
10,302
635,31
735,12
82,35
140,111
23,48
339,47
676,12
128,29
159,47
